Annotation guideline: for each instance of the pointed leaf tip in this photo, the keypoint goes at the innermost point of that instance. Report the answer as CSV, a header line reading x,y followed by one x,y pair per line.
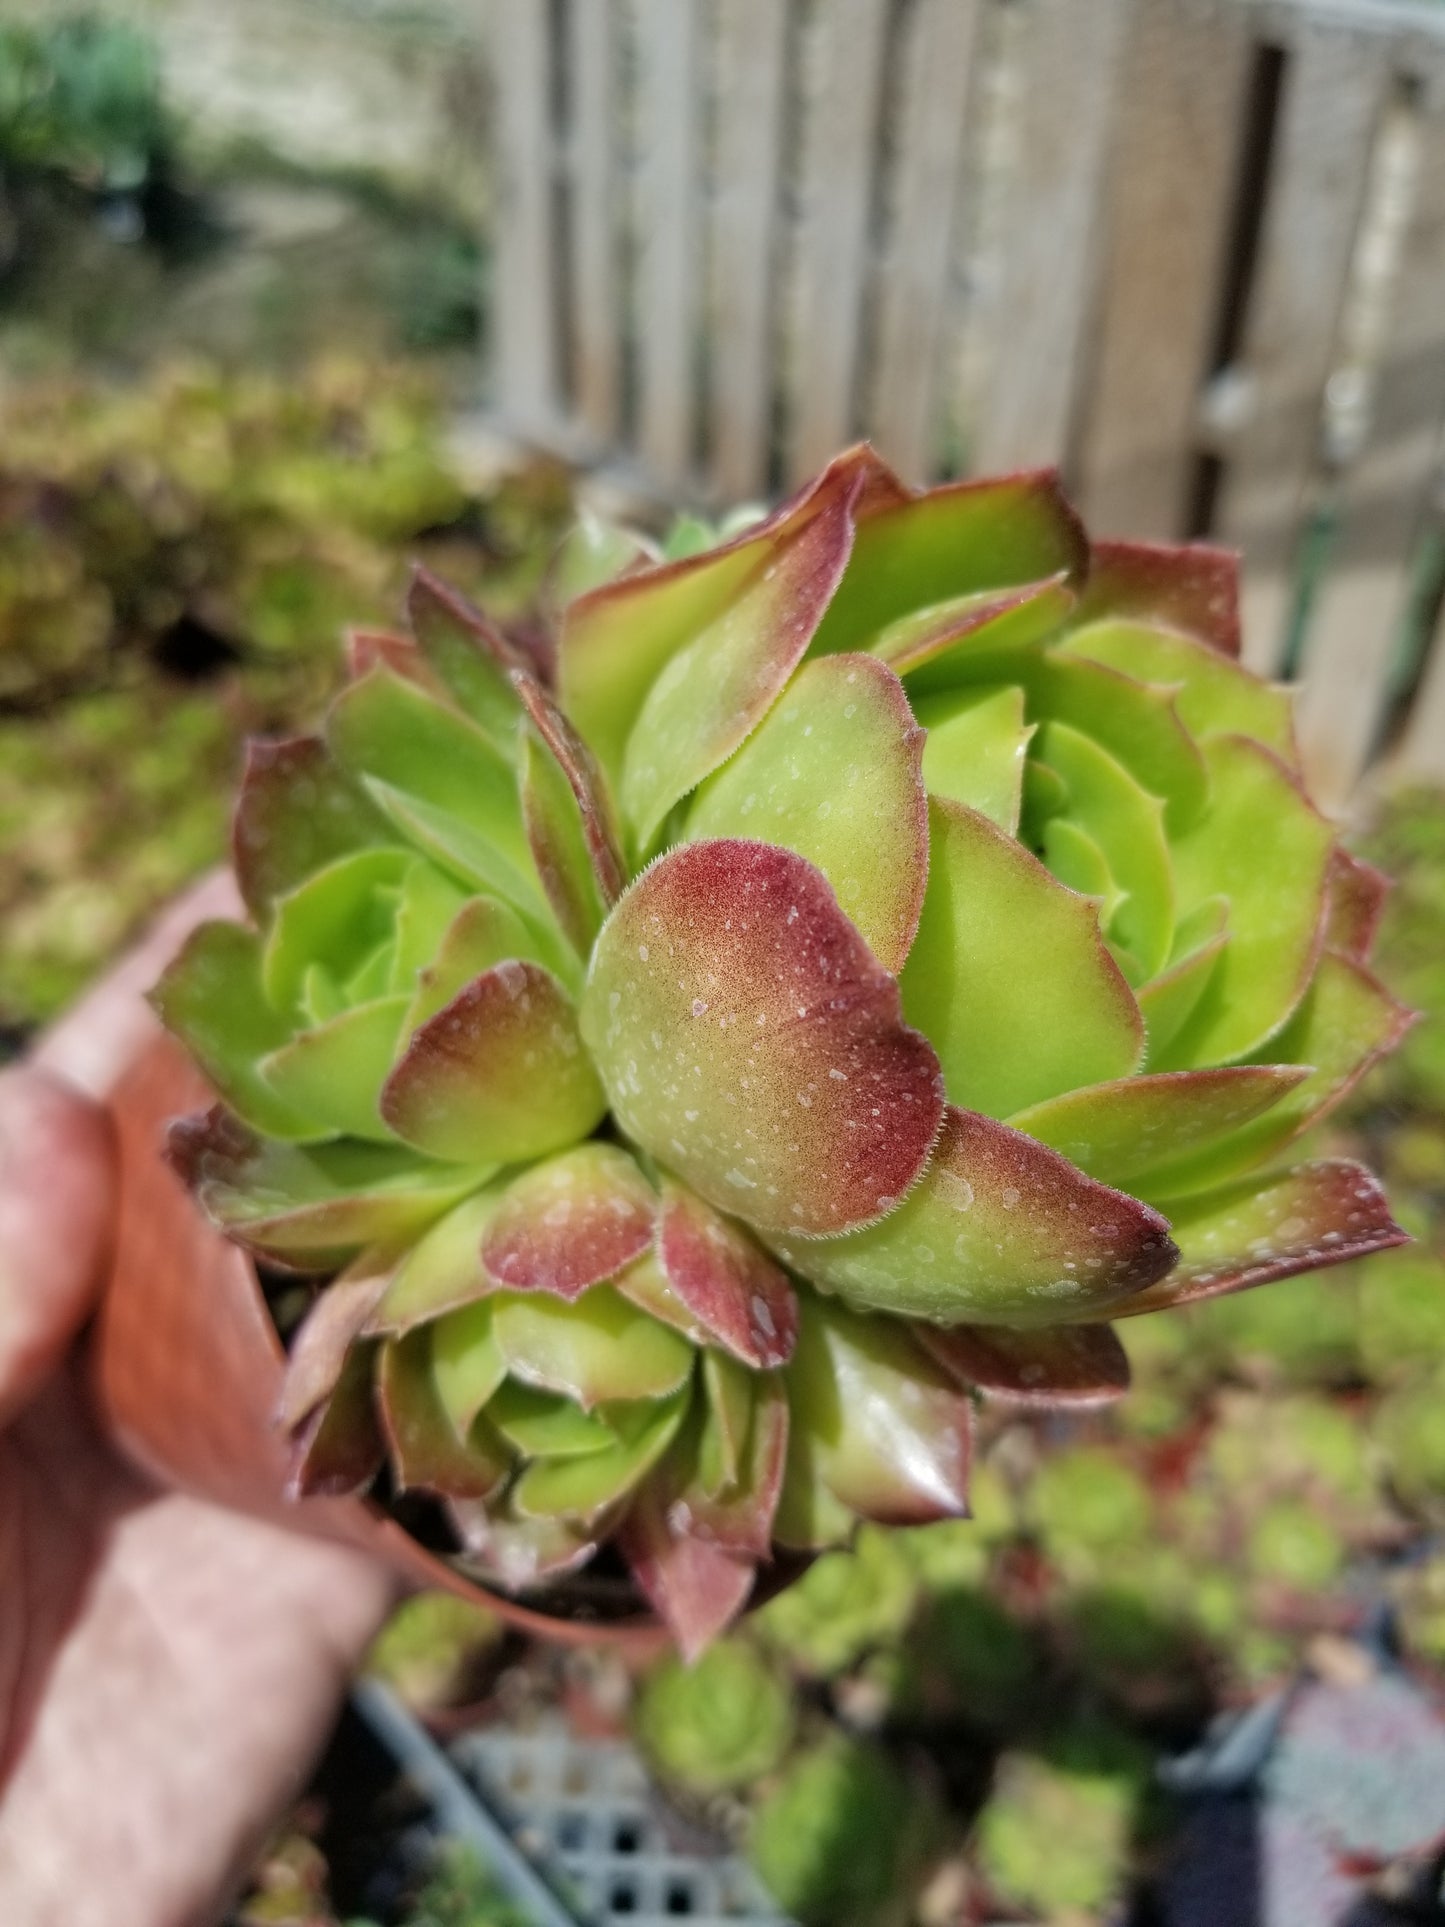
x,y
1001,1231
750,1040
1192,586
1251,1233
697,1587
728,1283
1067,1365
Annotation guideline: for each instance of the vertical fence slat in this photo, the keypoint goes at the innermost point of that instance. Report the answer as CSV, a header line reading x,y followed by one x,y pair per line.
x,y
596,314
931,118
1171,184
832,245
1334,85
1039,309
751,50
1422,752
525,318
1384,503
668,46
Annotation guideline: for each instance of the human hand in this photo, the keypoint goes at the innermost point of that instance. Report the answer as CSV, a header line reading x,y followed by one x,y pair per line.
x,y
168,1670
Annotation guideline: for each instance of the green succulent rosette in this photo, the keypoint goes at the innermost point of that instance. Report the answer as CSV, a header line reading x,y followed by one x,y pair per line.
x,y
829,975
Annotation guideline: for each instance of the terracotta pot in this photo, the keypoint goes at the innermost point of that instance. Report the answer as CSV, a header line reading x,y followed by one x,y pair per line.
x,y
188,1365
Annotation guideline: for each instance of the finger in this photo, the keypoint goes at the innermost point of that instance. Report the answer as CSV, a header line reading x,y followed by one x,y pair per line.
x,y
95,1041
57,1207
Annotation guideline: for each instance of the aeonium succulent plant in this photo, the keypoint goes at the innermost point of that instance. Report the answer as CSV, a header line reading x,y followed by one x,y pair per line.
x,y
838,972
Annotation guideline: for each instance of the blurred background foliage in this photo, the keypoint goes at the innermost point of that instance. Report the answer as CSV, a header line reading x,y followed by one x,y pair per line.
x,y
225,382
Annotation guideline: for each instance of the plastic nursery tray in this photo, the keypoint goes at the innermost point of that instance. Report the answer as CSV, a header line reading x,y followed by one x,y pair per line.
x,y
570,1827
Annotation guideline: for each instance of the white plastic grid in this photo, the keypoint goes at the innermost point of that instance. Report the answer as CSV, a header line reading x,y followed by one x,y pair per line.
x,y
584,1808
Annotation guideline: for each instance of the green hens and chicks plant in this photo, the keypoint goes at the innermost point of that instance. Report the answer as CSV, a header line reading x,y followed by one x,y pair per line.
x,y
826,978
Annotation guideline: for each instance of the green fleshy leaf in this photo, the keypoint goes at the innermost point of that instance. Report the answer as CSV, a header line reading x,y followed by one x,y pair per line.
x,y
1073,1366
582,1487
498,1074
617,641
1346,1023
339,1449
1272,1227
337,918
322,1342
1214,695
939,636
559,844
1264,847
1136,723
371,979
1001,1230
890,1431
808,1517
1007,1032
211,998
334,1074
411,750
296,813
1357,896
731,1286
322,998
463,852
598,1350
733,1495
1127,824
588,807
750,1040
741,659
832,773
729,1388
1188,586
311,1207
428,906
426,1450
484,933
1126,1132
953,541
444,1270
1169,1000
470,654
1072,855
468,1363
545,1426
571,1222
644,1284
976,749
593,552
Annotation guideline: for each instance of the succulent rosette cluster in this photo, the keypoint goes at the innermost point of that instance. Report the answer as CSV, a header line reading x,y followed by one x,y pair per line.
x,y
826,977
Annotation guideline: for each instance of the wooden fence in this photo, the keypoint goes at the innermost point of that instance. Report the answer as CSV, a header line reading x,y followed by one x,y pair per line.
x,y
1192,250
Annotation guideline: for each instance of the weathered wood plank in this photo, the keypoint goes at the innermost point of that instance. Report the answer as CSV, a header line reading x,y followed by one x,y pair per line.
x,y
931,116
832,247
1334,86
596,328
1169,196
751,50
525,319
1383,501
669,269
1422,752
1039,313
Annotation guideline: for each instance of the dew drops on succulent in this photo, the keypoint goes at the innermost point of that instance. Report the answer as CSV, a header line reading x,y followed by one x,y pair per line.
x,y
828,978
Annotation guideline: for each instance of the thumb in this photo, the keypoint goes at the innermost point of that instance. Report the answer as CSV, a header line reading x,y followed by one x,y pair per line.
x,y
57,1207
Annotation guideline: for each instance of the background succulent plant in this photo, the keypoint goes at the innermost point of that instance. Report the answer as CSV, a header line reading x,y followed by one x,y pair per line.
x,y
837,973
